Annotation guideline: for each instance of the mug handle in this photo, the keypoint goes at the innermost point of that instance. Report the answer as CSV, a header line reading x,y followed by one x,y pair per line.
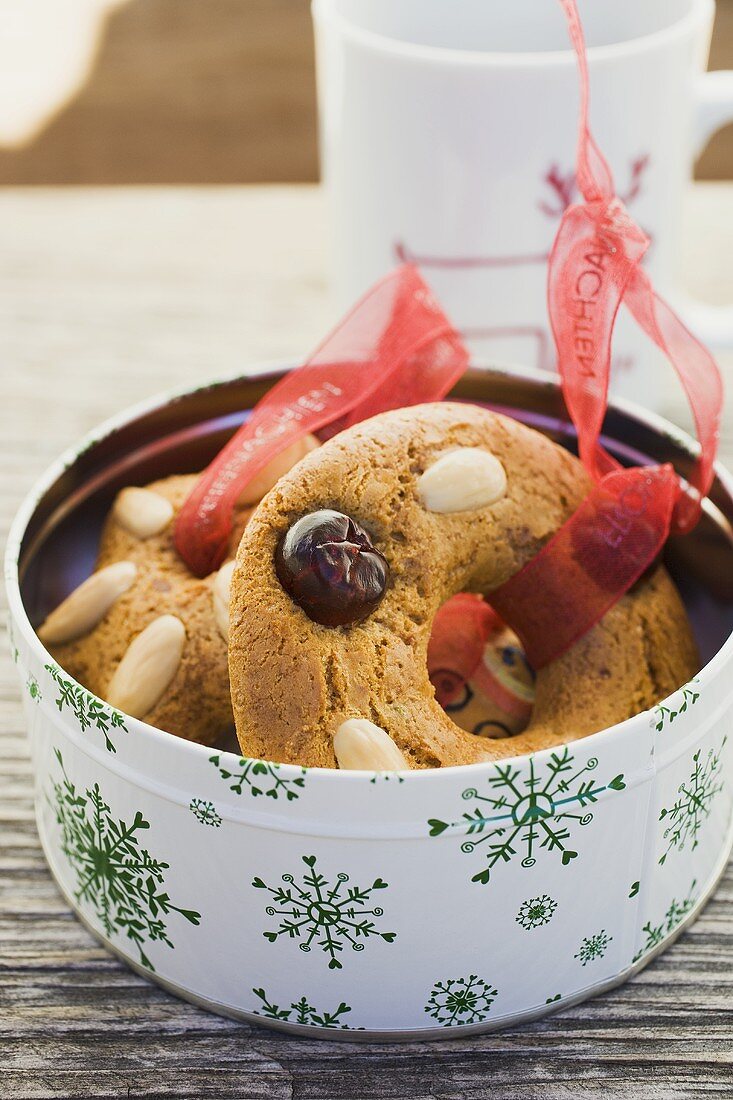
x,y
714,94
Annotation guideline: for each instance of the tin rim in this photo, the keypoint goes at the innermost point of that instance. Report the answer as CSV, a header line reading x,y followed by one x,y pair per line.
x,y
25,512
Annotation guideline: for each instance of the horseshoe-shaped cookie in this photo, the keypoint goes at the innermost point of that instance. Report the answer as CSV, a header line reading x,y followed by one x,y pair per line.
x,y
345,563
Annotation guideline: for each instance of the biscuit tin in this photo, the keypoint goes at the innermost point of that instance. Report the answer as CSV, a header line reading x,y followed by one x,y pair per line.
x,y
355,904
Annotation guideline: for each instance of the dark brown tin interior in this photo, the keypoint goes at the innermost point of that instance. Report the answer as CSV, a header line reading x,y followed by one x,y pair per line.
x,y
182,435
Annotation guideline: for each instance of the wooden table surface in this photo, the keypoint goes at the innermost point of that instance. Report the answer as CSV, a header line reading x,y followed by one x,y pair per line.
x,y
107,296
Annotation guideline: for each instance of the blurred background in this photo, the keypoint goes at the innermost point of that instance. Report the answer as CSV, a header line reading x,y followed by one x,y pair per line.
x,y
181,91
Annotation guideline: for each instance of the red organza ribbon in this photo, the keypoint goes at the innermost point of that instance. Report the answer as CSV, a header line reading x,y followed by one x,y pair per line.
x,y
395,348
621,526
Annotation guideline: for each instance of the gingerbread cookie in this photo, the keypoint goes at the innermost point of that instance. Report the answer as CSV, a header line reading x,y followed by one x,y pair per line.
x,y
143,633
344,565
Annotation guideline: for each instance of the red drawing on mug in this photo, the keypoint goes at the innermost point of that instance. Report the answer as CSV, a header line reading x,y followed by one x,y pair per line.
x,y
564,187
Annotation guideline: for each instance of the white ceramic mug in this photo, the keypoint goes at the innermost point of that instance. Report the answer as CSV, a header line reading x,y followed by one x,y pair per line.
x,y
448,133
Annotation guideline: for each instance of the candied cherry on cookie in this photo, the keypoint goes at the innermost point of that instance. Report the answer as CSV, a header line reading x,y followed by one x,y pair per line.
x,y
327,563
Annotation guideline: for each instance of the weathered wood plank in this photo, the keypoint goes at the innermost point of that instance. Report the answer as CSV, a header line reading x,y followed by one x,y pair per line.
x,y
106,298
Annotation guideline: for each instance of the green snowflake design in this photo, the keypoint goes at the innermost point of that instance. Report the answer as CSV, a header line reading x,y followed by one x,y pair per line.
x,y
460,1001
205,812
677,911
689,812
260,777
386,777
301,1012
87,709
115,877
536,912
534,812
330,917
593,947
662,716
33,688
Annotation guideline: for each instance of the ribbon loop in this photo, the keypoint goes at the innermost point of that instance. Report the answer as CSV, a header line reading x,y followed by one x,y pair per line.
x,y
590,266
589,563
594,267
396,347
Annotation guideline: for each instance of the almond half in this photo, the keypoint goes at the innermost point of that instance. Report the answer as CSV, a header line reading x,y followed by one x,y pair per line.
x,y
142,512
361,745
87,605
150,662
276,468
220,594
462,480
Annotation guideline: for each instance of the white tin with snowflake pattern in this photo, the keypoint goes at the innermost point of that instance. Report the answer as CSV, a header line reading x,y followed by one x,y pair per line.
x,y
465,898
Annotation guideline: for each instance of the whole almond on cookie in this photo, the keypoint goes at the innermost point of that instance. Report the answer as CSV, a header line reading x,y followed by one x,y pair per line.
x,y
87,605
220,594
142,512
361,745
462,480
151,661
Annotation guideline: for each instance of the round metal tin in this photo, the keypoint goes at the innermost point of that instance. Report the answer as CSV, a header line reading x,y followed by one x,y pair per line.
x,y
372,905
